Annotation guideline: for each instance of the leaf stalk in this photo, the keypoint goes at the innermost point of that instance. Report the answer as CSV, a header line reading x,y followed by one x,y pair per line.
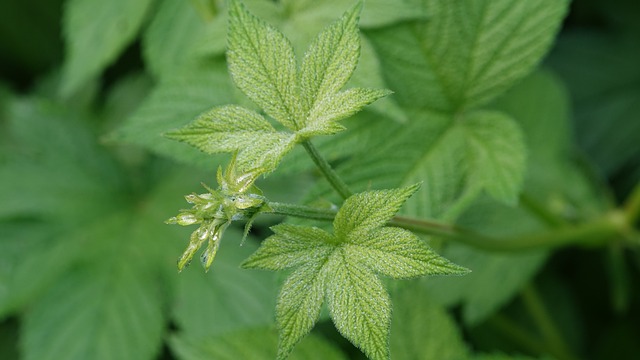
x,y
326,169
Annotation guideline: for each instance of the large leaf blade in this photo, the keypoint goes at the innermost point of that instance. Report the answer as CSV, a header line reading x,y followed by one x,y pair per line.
x,y
96,32
468,52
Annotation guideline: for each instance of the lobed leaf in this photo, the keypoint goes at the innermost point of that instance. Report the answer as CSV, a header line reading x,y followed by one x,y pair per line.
x,y
263,65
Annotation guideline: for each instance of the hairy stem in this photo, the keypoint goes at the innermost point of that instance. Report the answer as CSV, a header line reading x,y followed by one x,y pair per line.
x,y
596,232
301,211
326,169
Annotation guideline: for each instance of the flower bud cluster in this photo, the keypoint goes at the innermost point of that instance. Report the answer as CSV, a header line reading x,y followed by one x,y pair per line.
x,y
235,199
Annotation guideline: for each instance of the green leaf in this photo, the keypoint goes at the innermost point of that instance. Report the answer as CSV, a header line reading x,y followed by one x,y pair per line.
x,y
359,304
262,346
342,267
35,182
398,253
176,101
97,312
495,277
604,106
454,157
95,33
170,41
263,65
468,52
299,304
324,116
330,60
496,153
32,255
421,329
367,211
233,128
291,246
226,299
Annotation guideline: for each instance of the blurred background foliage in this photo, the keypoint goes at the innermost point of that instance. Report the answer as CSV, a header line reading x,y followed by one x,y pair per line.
x,y
87,268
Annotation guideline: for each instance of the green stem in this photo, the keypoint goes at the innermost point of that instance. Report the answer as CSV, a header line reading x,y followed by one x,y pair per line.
x,y
301,211
326,169
596,232
545,324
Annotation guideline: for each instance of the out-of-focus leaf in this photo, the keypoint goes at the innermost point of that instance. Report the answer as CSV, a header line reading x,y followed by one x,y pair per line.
x,y
227,298
112,311
170,41
422,329
251,344
95,33
605,94
494,278
58,170
467,52
175,102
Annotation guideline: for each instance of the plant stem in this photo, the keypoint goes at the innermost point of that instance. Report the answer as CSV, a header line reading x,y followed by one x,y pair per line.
x,y
596,232
326,169
301,211
545,324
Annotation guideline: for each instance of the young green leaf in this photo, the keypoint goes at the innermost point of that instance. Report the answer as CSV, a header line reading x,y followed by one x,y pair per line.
x,y
330,60
299,304
263,65
369,210
359,304
291,246
343,267
323,118
233,128
399,254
